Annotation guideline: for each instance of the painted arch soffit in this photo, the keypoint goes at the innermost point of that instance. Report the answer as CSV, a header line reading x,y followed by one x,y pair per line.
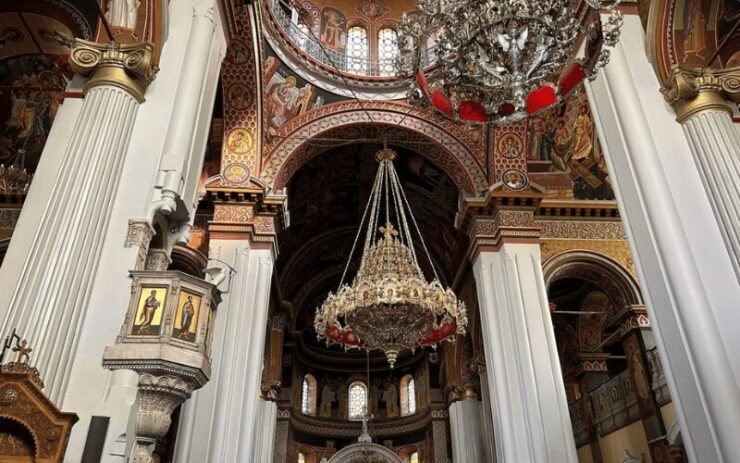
x,y
460,154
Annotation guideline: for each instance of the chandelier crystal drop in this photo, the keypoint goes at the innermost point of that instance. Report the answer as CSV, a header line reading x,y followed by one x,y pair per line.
x,y
502,60
390,306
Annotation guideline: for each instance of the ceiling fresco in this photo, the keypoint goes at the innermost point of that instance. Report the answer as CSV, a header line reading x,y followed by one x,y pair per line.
x,y
35,40
564,141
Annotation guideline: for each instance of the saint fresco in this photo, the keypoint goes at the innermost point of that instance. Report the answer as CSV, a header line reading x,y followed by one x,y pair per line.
x,y
286,96
333,29
149,310
186,317
35,91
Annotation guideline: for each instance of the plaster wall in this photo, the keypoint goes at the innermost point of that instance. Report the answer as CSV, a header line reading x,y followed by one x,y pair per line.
x,y
631,438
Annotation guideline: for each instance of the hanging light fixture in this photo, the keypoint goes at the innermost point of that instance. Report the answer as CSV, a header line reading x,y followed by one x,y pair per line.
x,y
390,306
502,60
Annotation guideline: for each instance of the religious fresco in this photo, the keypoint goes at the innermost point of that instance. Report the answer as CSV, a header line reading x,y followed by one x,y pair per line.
x,y
186,317
596,307
287,95
148,319
729,14
565,140
333,33
32,90
694,32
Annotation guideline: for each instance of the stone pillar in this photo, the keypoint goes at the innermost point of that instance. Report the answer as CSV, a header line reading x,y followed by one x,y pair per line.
x,y
50,299
530,410
683,264
222,419
466,428
264,441
591,373
489,443
271,383
704,101
637,338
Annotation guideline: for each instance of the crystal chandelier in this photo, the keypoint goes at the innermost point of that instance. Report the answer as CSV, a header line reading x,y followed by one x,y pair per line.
x,y
501,60
390,306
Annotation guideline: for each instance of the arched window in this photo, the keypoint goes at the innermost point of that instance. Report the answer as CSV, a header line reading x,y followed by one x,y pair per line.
x,y
414,458
357,50
302,458
408,396
387,51
357,400
308,395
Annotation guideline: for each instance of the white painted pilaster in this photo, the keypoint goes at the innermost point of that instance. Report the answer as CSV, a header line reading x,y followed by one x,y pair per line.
x,y
685,271
467,431
264,438
530,413
222,420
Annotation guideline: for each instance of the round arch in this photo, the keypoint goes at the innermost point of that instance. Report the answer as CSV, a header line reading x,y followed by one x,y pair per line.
x,y
21,430
452,149
363,452
596,268
678,30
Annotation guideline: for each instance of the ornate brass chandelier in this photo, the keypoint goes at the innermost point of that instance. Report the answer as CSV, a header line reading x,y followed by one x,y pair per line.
x,y
390,306
501,60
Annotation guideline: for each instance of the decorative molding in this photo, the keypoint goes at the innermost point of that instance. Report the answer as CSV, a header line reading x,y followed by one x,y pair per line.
x,y
9,217
126,66
632,322
352,429
582,229
464,152
139,233
592,366
512,224
692,91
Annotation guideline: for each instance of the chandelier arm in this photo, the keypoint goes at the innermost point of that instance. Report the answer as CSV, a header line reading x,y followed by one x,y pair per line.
x,y
416,226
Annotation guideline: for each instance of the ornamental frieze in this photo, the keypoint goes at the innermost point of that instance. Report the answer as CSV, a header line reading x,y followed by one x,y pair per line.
x,y
582,230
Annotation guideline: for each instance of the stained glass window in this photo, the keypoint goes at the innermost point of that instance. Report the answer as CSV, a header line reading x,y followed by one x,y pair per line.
x,y
357,50
408,396
387,51
308,395
411,394
357,400
414,458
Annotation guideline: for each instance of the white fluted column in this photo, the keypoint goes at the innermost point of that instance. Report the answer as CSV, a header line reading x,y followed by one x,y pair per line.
x,y
264,438
466,430
222,420
530,413
700,99
684,267
49,302
489,443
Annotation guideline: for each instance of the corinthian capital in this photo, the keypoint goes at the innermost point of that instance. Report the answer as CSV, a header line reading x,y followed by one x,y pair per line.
x,y
127,66
691,91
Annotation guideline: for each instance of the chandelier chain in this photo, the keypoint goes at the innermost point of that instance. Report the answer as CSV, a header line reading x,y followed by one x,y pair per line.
x,y
397,182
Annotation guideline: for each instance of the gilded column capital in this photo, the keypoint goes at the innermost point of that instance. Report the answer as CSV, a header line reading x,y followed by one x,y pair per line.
x,y
692,91
127,66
